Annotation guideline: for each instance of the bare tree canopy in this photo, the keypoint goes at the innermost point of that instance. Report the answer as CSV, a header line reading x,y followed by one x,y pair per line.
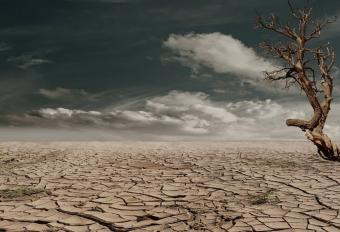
x,y
307,67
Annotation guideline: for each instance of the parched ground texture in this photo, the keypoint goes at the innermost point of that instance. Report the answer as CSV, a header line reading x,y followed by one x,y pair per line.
x,y
167,186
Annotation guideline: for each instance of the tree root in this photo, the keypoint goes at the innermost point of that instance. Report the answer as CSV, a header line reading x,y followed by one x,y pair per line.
x,y
327,149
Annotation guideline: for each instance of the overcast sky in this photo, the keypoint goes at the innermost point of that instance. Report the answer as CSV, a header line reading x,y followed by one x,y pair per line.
x,y
146,69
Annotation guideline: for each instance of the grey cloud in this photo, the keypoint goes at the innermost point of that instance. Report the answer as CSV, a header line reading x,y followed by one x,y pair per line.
x,y
176,114
26,61
4,47
16,88
66,94
332,30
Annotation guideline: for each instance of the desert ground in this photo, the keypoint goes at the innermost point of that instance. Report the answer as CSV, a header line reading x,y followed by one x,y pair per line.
x,y
167,186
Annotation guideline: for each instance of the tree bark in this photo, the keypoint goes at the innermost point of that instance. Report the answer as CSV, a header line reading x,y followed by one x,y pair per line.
x,y
298,59
327,149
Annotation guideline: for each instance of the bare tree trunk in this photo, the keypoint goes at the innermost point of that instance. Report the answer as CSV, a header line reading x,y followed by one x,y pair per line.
x,y
301,65
327,149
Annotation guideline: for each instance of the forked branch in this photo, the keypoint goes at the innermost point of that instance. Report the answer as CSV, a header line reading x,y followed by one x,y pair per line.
x,y
308,68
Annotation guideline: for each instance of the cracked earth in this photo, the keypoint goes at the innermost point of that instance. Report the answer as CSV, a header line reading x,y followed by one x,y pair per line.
x,y
167,186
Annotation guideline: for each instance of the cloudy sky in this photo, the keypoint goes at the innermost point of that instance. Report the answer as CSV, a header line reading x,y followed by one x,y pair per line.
x,y
146,69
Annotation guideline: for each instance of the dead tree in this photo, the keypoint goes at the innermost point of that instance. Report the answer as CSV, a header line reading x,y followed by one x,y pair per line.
x,y
307,67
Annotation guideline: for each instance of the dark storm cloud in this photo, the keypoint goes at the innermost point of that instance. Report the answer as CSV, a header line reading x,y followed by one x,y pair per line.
x,y
108,55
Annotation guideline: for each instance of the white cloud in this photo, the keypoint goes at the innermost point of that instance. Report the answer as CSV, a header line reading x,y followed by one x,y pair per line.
x,y
175,115
222,53
186,103
64,113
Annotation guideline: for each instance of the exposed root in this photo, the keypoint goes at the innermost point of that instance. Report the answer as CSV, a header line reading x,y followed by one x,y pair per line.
x,y
327,149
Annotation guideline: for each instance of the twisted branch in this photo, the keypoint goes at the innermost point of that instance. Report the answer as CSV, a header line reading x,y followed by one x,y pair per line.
x,y
308,68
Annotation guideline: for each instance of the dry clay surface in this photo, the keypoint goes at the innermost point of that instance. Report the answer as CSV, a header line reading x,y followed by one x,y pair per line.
x,y
167,186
